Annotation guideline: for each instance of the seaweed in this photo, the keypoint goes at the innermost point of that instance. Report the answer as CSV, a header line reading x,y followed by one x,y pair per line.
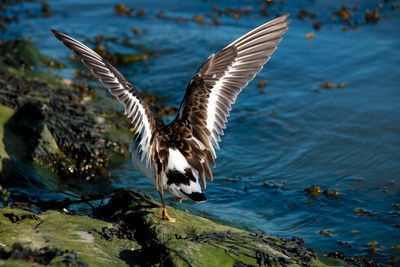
x,y
81,149
289,250
357,260
119,230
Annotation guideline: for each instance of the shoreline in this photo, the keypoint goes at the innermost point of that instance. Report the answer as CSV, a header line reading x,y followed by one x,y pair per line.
x,y
35,106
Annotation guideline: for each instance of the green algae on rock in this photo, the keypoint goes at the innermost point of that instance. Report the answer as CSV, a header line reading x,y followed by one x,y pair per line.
x,y
63,232
126,233
5,114
197,241
25,55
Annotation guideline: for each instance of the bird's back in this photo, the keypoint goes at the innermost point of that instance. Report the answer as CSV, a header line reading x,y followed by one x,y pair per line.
x,y
178,177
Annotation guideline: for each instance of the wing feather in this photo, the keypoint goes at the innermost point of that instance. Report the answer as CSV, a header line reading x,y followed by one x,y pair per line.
x,y
215,86
135,106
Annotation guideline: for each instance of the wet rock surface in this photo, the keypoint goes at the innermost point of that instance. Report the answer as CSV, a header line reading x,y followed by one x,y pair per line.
x,y
81,148
126,232
193,240
56,238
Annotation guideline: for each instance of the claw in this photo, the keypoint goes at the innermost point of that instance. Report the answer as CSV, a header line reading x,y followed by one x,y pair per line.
x,y
165,216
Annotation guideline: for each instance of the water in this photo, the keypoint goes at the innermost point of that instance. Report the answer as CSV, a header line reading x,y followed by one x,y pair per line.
x,y
319,137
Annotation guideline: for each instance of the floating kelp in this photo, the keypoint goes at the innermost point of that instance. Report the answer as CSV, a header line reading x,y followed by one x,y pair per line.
x,y
316,190
123,10
100,46
310,35
357,260
46,10
262,84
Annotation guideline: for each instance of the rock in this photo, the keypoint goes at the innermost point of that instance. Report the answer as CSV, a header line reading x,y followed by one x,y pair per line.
x,y
21,132
126,232
65,234
24,55
64,137
197,241
5,114
49,125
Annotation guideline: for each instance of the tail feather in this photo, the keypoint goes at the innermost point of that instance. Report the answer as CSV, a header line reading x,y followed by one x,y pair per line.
x,y
196,196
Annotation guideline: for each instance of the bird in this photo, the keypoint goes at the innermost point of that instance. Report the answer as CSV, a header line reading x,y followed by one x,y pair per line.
x,y
175,157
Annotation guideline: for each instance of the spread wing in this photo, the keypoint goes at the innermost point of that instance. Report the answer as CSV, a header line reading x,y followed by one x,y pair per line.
x,y
135,106
215,86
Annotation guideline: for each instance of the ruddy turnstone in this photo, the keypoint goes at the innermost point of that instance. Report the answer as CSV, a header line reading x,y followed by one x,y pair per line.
x,y
174,156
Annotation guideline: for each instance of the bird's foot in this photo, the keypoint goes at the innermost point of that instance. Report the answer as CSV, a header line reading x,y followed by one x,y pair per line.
x,y
179,199
165,216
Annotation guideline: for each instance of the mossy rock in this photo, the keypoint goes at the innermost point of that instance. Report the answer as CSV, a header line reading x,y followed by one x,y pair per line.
x,y
24,54
5,114
190,241
197,241
64,232
19,136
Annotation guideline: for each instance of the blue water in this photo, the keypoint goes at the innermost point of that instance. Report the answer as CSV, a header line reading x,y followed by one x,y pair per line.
x,y
319,137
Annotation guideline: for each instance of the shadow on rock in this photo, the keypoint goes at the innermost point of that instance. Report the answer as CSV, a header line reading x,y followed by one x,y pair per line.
x,y
141,257
123,203
22,133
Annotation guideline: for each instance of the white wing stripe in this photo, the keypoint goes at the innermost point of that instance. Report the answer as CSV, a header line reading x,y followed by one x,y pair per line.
x,y
108,77
227,82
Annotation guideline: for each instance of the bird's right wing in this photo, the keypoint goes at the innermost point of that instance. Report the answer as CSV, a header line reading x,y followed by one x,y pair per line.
x,y
135,106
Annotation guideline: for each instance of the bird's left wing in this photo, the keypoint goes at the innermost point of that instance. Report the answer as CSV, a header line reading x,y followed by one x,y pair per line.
x,y
135,105
215,86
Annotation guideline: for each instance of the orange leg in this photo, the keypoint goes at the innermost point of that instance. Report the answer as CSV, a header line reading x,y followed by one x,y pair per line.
x,y
164,215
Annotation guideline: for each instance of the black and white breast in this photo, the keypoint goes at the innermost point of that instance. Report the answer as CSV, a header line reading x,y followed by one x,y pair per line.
x,y
179,177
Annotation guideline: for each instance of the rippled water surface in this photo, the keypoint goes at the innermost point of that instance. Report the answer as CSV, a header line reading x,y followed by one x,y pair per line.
x,y
290,137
